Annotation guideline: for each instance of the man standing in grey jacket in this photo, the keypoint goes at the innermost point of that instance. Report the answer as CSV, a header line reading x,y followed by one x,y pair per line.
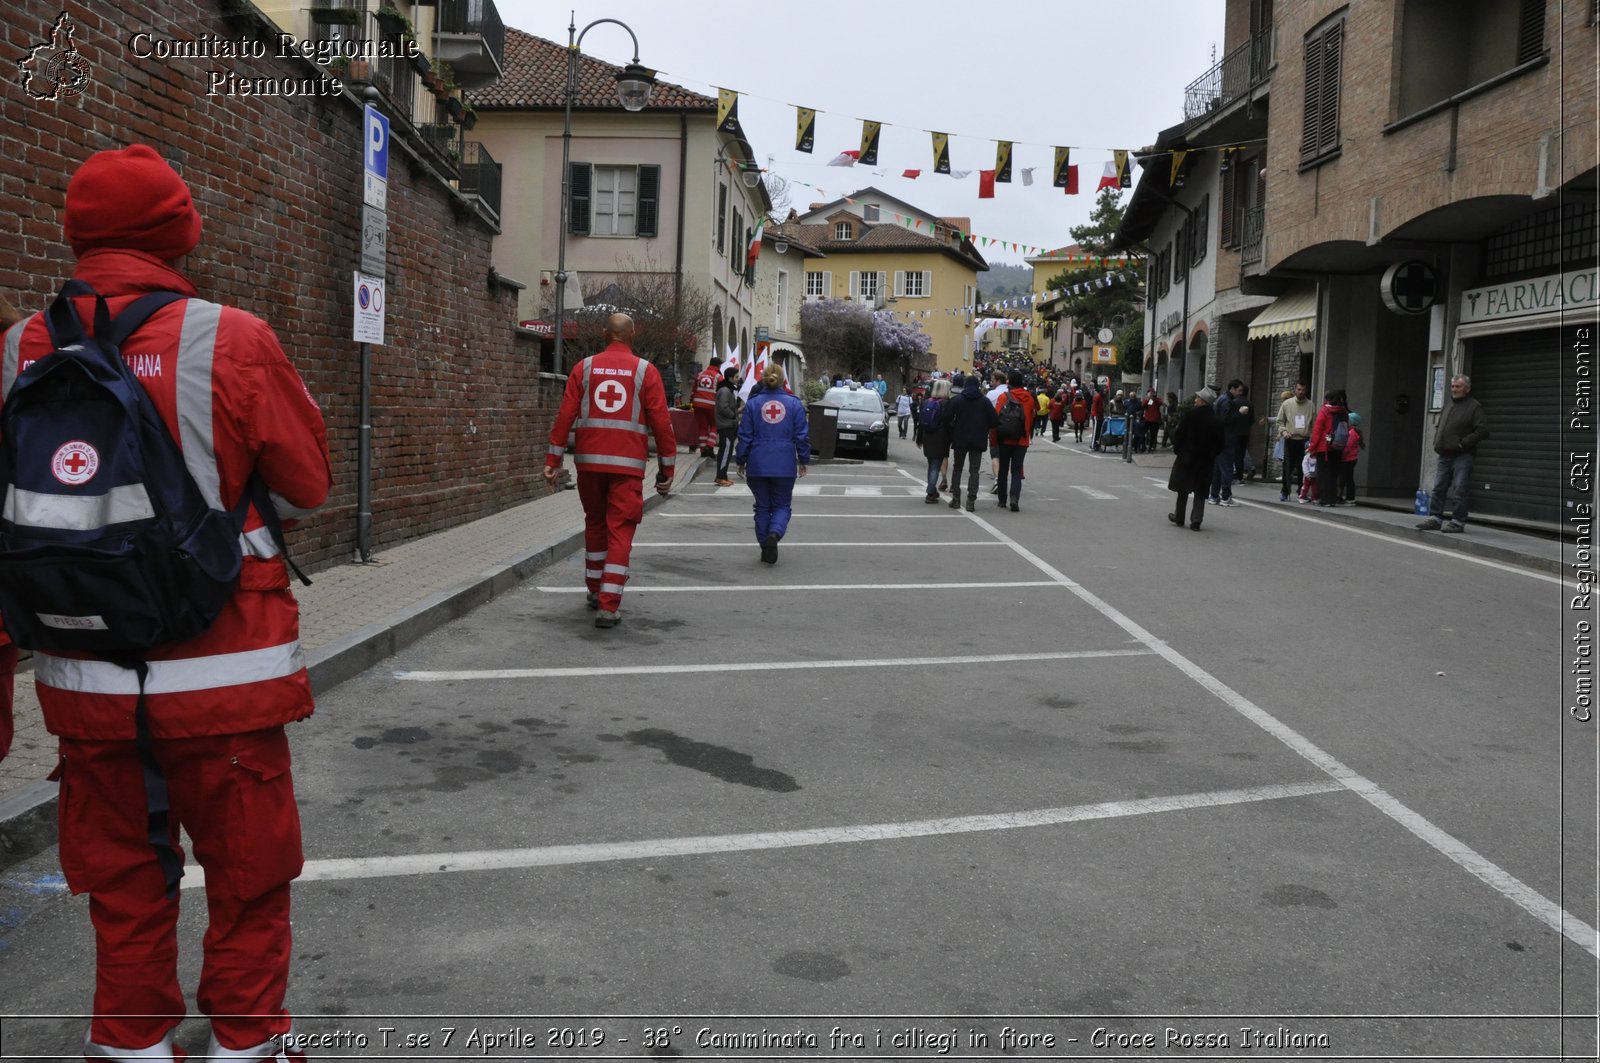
x,y
1463,426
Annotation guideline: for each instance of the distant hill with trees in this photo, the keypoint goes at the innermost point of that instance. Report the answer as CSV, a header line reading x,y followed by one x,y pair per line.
x,y
1005,282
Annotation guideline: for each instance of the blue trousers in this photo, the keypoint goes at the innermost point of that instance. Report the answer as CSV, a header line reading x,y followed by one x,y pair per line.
x,y
1450,475
1222,475
774,503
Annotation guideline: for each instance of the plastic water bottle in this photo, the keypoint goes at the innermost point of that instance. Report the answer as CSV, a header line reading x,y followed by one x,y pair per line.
x,y
1420,507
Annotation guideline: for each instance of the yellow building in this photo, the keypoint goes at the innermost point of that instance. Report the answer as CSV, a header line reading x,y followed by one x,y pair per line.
x,y
884,252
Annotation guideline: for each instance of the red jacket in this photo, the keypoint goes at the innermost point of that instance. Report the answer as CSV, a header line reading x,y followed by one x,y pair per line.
x,y
1097,405
705,388
234,403
1029,406
1322,427
615,400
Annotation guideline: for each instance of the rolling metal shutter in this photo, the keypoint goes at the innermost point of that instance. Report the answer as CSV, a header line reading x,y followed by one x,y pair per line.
x,y
1518,470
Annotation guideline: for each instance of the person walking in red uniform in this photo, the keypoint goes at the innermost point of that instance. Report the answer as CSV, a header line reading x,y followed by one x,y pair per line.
x,y
215,704
615,400
704,401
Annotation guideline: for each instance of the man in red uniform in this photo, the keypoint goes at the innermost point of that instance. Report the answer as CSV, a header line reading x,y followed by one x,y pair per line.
x,y
615,400
216,704
704,401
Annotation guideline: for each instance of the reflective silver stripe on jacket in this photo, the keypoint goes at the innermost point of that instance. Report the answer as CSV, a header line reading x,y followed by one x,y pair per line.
x,y
258,543
612,459
13,356
170,677
196,352
638,394
286,511
583,403
77,512
556,451
604,422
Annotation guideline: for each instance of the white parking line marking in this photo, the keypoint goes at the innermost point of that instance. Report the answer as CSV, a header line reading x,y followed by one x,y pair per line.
x,y
1093,493
808,515
632,589
707,845
1474,863
758,666
1276,508
787,545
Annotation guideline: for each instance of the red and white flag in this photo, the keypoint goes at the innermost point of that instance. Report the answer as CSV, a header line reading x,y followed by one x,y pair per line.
x,y
845,158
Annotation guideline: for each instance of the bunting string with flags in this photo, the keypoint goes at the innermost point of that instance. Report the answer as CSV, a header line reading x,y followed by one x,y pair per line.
x,y
869,142
1002,162
941,153
728,113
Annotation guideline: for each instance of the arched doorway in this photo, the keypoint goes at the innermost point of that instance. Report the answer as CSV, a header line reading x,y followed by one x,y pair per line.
x,y
1194,364
716,334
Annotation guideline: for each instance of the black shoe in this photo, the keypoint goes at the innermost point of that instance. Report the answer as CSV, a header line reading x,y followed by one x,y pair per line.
x,y
955,502
1194,525
769,549
1013,507
1001,502
932,500
593,599
1174,518
605,619
972,505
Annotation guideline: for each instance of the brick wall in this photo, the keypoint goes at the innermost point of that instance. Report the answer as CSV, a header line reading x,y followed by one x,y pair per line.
x,y
1498,137
459,411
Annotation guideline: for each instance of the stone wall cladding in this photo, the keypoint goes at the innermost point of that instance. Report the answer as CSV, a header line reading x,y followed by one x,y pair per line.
x,y
459,412
1499,132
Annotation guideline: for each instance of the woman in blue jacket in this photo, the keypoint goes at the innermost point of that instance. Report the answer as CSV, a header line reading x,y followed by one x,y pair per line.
x,y
775,447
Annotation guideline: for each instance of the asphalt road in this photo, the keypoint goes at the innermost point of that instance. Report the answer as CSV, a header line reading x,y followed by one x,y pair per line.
x,y
1063,782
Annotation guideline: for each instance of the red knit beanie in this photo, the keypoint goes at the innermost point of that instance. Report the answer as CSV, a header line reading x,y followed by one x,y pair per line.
x,y
131,200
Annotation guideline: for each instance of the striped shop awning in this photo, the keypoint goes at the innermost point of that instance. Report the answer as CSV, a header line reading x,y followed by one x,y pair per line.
x,y
1294,311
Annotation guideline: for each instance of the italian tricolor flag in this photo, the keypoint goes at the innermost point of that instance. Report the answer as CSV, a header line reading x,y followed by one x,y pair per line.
x,y
754,250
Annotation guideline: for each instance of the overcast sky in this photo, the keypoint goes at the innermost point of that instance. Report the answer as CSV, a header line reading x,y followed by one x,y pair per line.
x,y
1090,74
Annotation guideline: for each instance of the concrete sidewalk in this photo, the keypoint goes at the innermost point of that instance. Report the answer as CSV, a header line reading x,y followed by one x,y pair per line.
x,y
351,617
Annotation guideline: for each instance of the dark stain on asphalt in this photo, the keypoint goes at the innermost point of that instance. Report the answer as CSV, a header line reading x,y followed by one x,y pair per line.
x,y
719,893
1144,745
1516,946
533,722
452,778
1054,702
664,879
811,966
405,736
1291,895
1125,729
500,761
716,761
609,738
490,728
364,742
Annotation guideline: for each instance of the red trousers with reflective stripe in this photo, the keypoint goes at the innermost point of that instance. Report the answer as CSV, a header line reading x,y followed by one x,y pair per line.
x,y
706,421
234,796
613,506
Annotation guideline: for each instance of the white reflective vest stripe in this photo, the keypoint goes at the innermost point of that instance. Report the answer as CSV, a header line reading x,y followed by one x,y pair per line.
x,y
170,677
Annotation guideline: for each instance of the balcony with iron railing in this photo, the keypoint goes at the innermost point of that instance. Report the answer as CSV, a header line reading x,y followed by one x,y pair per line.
x,y
470,36
1240,71
480,176
1250,240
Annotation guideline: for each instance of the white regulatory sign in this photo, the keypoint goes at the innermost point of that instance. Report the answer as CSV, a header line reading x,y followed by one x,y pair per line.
x,y
369,306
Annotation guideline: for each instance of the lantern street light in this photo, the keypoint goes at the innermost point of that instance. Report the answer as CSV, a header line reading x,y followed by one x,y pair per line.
x,y
634,86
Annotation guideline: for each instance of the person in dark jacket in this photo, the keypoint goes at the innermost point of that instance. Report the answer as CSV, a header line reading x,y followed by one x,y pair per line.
x,y
1462,427
1227,413
727,414
1196,442
936,436
1014,451
775,447
969,418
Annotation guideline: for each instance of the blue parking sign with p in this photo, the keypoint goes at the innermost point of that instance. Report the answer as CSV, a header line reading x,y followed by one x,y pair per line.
x,y
377,143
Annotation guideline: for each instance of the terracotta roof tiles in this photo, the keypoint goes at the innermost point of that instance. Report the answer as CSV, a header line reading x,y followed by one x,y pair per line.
x,y
535,78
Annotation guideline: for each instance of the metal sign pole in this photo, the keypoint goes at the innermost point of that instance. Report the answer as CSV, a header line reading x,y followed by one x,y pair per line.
x,y
364,462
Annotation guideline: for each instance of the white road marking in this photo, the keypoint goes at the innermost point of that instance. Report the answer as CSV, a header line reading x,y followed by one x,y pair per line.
x,y
1277,508
1093,493
787,545
1474,863
633,589
757,666
808,515
705,845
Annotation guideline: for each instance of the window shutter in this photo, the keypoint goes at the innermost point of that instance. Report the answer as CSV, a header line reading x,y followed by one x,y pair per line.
x,y
722,218
855,284
1328,125
1203,225
1530,31
1309,135
647,209
899,282
580,185
883,278
827,284
1225,221
927,283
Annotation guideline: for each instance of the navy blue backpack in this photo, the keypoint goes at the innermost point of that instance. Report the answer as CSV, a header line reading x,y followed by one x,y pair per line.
x,y
107,545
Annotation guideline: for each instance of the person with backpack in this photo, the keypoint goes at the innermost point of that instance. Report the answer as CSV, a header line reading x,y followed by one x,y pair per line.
x,y
969,418
1015,410
1330,434
936,437
188,732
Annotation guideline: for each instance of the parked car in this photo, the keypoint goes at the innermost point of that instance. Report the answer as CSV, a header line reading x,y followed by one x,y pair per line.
x,y
863,422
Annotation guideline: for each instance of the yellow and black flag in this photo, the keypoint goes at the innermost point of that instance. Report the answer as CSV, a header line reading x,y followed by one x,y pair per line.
x,y
1176,180
1002,162
728,112
1063,162
805,129
1124,178
941,153
869,143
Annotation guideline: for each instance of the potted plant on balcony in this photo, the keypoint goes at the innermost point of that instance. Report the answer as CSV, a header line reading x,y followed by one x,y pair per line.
x,y
391,20
421,65
455,107
470,118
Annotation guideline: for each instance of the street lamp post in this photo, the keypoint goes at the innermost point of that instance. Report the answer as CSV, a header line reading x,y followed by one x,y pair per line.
x,y
634,85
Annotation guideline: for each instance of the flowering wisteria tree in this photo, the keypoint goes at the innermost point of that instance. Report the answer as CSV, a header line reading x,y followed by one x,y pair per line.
x,y
850,337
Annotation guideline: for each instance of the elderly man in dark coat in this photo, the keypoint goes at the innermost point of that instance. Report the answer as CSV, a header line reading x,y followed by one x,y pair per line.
x,y
1196,442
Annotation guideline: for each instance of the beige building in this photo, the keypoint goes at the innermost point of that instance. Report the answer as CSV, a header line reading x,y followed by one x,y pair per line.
x,y
780,288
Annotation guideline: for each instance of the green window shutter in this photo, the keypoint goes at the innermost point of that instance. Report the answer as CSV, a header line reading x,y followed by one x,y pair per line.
x,y
1530,31
1225,222
1332,52
580,184
649,200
